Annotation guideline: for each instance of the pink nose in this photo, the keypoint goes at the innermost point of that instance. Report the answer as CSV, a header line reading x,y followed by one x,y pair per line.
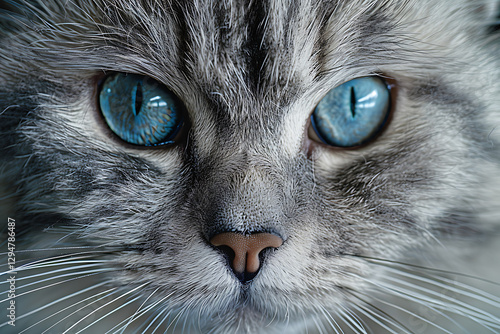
x,y
246,249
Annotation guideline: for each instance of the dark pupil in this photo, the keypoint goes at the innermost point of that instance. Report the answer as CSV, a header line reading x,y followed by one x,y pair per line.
x,y
353,102
138,99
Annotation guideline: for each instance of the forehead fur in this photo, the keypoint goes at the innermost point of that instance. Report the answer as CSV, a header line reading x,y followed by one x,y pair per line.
x,y
256,49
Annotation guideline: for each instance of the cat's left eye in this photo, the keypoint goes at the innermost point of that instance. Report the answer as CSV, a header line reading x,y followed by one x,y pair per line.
x,y
353,113
140,110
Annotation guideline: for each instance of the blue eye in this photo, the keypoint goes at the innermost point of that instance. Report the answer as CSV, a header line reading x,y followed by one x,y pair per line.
x,y
140,110
353,113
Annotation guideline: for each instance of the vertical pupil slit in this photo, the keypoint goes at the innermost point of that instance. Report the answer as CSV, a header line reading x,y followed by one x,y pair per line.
x,y
353,102
137,96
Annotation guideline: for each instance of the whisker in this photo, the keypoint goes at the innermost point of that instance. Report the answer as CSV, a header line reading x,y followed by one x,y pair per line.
x,y
412,313
170,323
480,317
57,262
331,321
90,273
143,312
454,305
351,320
106,304
52,272
419,267
373,316
371,313
273,318
110,312
319,325
448,285
462,307
156,318
56,259
61,300
136,313
184,324
111,292
30,263
51,249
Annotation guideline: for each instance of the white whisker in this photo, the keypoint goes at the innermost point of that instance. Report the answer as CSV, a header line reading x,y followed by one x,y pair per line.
x,y
331,321
69,267
66,308
474,293
454,304
137,312
404,310
72,248
133,300
417,268
375,318
106,304
351,320
54,261
109,292
481,317
170,323
156,318
371,312
81,275
319,326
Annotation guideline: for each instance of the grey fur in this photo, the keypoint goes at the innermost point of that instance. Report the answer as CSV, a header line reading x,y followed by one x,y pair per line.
x,y
397,236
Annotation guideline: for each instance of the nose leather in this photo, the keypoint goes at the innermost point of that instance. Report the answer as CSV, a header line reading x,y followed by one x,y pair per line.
x,y
246,248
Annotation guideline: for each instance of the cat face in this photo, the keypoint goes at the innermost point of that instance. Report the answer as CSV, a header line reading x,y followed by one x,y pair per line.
x,y
241,167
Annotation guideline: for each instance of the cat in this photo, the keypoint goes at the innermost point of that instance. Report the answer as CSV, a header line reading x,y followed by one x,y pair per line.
x,y
241,166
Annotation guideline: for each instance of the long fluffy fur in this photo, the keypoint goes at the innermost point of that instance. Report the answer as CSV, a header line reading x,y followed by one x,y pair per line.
x,y
398,236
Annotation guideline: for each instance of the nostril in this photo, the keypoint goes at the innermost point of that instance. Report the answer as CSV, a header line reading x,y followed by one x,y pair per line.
x,y
245,252
243,276
227,252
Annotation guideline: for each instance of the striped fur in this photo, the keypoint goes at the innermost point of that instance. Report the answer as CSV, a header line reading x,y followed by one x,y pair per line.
x,y
399,236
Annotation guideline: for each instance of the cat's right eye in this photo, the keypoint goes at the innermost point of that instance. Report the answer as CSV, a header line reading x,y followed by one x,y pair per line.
x,y
140,110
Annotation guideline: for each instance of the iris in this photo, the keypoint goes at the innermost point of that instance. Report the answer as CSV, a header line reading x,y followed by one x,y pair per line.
x,y
140,110
353,113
